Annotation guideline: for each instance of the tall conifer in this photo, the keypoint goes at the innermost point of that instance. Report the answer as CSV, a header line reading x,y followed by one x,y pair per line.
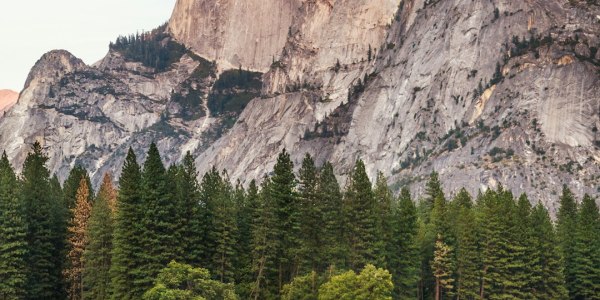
x,y
159,221
548,275
13,231
310,210
191,212
360,210
78,240
566,226
45,228
97,255
384,199
330,198
586,265
125,271
468,258
404,263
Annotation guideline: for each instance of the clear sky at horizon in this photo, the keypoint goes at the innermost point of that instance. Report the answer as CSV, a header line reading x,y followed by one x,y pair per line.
x,y
30,28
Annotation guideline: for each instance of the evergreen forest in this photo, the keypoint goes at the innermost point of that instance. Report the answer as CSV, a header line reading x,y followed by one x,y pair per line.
x,y
167,232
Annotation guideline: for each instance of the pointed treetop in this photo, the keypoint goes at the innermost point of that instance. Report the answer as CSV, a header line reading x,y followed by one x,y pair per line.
x,y
108,192
463,199
4,163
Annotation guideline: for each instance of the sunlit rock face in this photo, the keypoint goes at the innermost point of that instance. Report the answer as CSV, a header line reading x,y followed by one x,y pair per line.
x,y
487,93
8,98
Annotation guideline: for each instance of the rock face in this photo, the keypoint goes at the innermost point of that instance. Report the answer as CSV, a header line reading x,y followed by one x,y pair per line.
x,y
486,93
248,33
8,98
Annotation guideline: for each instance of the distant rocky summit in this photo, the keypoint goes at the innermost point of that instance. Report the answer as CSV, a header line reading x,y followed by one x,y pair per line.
x,y
8,98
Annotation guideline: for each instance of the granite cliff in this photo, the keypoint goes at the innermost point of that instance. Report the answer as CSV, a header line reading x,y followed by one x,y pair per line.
x,y
485,92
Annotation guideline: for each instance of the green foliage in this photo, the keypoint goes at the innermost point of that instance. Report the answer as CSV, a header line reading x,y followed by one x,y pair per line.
x,y
183,282
72,184
442,267
191,224
216,193
330,198
302,288
360,211
247,203
310,210
284,197
549,280
371,283
97,255
433,190
586,268
263,246
153,49
46,228
276,239
262,238
159,221
125,270
13,231
468,258
566,226
233,91
404,258
383,247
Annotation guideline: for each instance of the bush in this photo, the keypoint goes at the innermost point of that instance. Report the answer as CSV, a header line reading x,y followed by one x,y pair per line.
x,y
371,283
183,282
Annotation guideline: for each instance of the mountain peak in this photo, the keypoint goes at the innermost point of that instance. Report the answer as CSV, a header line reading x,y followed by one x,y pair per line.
x,y
8,98
54,64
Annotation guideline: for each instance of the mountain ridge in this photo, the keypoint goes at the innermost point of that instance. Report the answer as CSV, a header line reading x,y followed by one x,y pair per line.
x,y
8,98
500,92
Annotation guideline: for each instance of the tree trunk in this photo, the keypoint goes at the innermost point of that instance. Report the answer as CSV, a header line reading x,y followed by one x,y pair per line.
x,y
437,289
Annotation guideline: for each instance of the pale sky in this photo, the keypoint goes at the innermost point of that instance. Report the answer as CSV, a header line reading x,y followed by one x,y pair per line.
x,y
30,28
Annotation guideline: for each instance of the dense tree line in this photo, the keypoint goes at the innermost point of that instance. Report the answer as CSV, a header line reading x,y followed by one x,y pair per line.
x,y
154,49
166,234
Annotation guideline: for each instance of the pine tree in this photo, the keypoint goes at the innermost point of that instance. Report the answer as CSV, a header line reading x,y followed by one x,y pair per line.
x,y
404,263
468,258
264,246
13,231
360,210
433,221
217,194
44,229
71,186
310,217
97,255
210,189
384,199
522,263
158,236
245,210
503,255
125,270
330,198
586,265
78,240
442,267
566,226
191,221
282,192
433,191
549,281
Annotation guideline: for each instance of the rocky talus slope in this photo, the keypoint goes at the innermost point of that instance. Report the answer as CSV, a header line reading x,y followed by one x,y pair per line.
x,y
484,92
